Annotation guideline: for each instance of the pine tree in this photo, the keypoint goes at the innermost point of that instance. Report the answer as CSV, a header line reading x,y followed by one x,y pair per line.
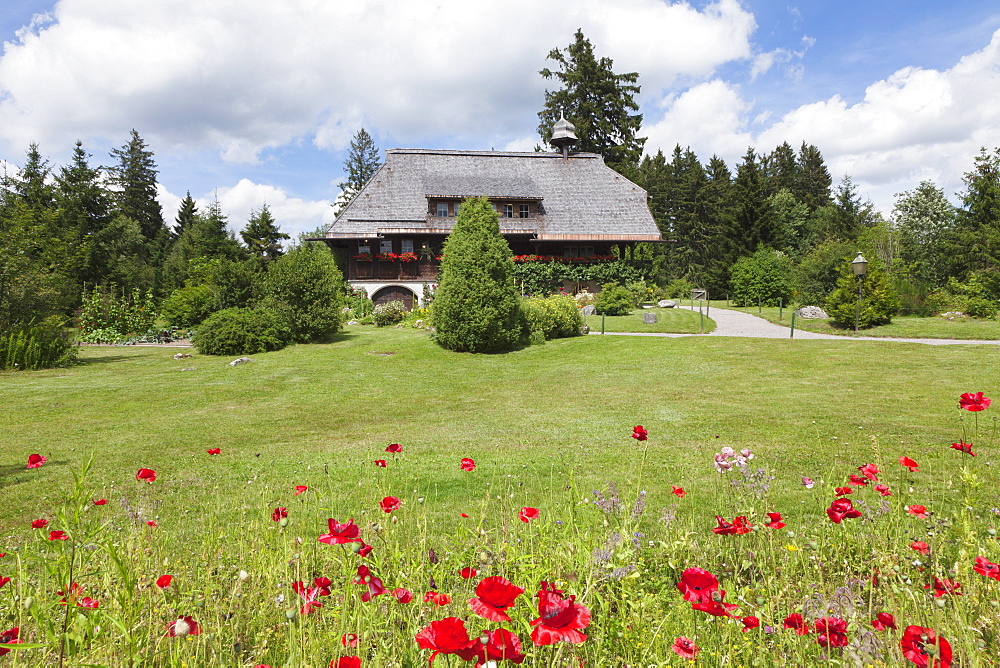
x,y
750,205
781,169
476,306
978,234
31,186
134,179
812,182
362,163
187,212
262,237
84,210
597,101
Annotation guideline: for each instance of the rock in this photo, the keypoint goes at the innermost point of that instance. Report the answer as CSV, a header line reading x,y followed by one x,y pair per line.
x,y
649,318
353,322
811,312
666,303
241,360
588,310
180,356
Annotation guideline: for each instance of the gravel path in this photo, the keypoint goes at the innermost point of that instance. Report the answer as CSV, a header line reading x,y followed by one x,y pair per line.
x,y
738,323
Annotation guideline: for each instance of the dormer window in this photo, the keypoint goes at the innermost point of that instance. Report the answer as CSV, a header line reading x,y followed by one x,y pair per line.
x,y
442,209
507,211
524,211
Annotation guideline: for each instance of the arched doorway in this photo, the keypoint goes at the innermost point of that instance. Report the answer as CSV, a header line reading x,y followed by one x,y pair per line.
x,y
395,293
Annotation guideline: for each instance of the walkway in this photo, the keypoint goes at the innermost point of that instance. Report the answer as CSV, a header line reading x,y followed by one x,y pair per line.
x,y
738,323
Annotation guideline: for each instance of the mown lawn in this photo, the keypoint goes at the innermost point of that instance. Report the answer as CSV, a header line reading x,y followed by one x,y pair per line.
x,y
669,320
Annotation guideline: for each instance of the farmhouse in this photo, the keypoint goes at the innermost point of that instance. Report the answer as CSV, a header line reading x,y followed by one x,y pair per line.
x,y
569,205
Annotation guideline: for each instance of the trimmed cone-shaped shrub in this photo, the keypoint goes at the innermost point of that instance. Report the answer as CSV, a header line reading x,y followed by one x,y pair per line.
x,y
878,300
476,306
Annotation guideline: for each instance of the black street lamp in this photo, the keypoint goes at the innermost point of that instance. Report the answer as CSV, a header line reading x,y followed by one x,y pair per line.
x,y
860,266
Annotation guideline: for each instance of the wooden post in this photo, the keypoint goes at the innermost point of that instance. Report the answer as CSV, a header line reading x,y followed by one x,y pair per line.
x,y
791,335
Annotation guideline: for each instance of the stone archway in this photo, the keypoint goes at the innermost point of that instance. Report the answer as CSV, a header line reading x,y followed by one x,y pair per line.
x,y
395,293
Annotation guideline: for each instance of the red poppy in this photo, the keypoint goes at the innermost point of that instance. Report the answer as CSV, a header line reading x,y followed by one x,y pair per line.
x,y
467,464
183,626
920,546
842,509
775,522
152,523
910,464
832,632
857,480
500,644
914,645
527,514
364,550
685,648
214,451
917,510
964,447
697,585
349,640
465,515
87,602
468,572
716,607
279,514
374,584
9,637
678,491
883,621
843,491
559,618
100,502
346,662
494,595
739,525
149,475
869,471
389,504
438,599
35,461
795,622
985,567
639,433
750,623
309,596
394,447
381,463
164,581
944,586
402,595
299,489
4,581
446,636
883,490
341,533
39,524
974,402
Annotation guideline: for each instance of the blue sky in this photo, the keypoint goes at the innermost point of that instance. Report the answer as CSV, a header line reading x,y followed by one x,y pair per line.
x,y
256,103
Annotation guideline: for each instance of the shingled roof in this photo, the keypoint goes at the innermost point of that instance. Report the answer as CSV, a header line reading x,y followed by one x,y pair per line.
x,y
581,197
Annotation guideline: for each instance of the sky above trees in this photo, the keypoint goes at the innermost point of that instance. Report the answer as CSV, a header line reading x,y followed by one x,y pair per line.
x,y
257,102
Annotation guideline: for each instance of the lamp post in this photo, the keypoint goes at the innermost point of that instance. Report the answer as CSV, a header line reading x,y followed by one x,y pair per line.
x,y
860,266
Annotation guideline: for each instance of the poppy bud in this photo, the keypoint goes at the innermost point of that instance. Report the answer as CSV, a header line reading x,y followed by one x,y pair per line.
x,y
28,602
991,532
356,547
200,604
283,522
760,600
290,614
940,602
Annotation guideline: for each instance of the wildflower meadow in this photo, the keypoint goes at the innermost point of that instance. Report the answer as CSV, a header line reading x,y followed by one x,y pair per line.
x,y
737,559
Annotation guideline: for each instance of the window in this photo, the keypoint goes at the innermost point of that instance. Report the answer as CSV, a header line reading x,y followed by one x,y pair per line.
x,y
385,246
587,251
442,209
571,251
364,248
458,207
508,211
406,246
525,211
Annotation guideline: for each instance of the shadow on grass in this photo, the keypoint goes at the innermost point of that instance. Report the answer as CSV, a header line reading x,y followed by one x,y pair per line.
x,y
12,473
103,359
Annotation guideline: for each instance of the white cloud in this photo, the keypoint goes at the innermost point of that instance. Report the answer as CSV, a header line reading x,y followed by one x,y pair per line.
x,y
710,118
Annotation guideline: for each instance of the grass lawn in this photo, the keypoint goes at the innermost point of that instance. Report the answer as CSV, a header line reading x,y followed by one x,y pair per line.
x,y
547,426
668,320
907,327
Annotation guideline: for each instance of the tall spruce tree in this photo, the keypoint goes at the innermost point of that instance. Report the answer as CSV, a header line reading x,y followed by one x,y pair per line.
x,y
262,236
31,185
134,180
724,246
361,164
977,242
476,307
85,210
812,179
187,213
750,204
781,169
600,103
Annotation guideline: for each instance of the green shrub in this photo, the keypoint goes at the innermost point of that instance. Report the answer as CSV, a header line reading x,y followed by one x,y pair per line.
x,y
104,309
764,277
41,345
564,315
679,288
981,307
358,302
188,306
307,281
537,317
242,331
389,313
476,307
614,299
878,303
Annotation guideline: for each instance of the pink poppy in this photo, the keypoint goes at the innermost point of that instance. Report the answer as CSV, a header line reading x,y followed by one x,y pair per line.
x,y
808,482
909,463
341,534
944,586
374,584
685,648
149,475
402,595
869,471
467,464
35,461
843,491
389,504
87,602
883,490
349,640
832,632
279,514
639,433
527,514
499,644
394,447
974,401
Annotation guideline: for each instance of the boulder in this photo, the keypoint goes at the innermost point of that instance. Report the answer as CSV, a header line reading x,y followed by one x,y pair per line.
x,y
649,318
811,312
241,360
666,303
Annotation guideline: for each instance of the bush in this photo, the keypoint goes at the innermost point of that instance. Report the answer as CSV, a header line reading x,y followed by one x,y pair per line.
x,y
764,277
555,317
119,315
679,288
389,313
188,306
815,277
307,281
359,303
981,307
242,331
878,303
476,306
614,299
37,346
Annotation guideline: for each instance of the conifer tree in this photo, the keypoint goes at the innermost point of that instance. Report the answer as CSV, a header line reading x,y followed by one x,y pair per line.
x,y
187,213
84,211
262,236
812,181
476,306
978,234
362,163
134,179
